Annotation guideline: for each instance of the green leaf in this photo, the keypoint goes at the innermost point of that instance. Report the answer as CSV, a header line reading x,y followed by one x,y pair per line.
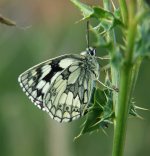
x,y
100,13
86,10
107,19
142,47
100,113
7,21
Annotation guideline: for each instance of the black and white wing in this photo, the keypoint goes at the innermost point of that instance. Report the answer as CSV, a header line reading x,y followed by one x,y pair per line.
x,y
37,80
69,95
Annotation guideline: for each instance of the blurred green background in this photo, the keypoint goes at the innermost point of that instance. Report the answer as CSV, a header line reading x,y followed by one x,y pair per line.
x,y
24,129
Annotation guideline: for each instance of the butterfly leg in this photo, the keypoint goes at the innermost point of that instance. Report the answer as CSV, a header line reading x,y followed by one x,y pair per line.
x,y
113,88
104,58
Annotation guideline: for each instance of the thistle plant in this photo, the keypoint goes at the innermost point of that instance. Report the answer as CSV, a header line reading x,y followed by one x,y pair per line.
x,y
126,53
132,20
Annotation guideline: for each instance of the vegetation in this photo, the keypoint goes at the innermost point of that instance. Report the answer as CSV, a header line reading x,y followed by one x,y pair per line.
x,y
122,31
126,53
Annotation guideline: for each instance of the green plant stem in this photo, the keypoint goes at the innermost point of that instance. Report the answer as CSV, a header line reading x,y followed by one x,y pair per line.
x,y
127,84
124,11
121,113
127,77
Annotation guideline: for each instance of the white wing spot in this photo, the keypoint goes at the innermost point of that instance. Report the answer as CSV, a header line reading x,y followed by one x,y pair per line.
x,y
85,84
43,109
73,68
58,82
66,62
41,84
46,87
24,89
59,91
39,106
30,82
27,93
40,98
66,115
46,67
73,76
75,113
76,102
69,98
85,97
26,86
34,94
29,90
37,102
21,84
59,113
63,98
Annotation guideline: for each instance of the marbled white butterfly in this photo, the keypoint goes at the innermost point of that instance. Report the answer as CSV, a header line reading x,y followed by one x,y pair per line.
x,y
62,86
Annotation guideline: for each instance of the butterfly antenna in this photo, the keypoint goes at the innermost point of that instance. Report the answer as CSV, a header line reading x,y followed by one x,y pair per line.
x,y
87,34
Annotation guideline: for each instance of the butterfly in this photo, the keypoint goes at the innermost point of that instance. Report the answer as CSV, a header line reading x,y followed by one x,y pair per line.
x,y
62,86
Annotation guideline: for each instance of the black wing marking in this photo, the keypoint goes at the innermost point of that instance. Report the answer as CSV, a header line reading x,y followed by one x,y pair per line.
x,y
36,81
70,94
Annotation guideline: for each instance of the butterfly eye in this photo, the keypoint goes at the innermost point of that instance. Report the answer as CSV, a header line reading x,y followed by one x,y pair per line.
x,y
91,51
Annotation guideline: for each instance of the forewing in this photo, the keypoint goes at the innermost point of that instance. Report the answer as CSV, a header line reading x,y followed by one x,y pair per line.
x,y
70,94
37,80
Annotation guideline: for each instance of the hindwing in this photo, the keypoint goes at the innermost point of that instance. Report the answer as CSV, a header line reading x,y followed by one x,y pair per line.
x,y
69,95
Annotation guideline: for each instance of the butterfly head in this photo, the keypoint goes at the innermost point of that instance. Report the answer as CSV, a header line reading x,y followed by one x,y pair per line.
x,y
89,52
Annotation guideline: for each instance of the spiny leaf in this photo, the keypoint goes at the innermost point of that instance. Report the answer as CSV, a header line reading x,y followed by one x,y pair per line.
x,y
86,10
107,19
100,113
